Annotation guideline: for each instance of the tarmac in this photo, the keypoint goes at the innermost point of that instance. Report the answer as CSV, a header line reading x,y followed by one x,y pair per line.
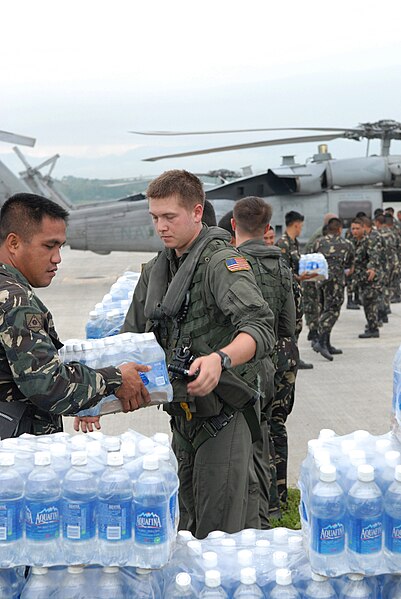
x,y
352,392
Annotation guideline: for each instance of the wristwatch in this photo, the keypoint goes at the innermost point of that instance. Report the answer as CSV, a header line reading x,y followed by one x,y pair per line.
x,y
225,360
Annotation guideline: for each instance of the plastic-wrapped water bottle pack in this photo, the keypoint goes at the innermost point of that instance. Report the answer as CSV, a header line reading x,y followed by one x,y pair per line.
x,y
113,351
314,264
351,503
87,499
396,405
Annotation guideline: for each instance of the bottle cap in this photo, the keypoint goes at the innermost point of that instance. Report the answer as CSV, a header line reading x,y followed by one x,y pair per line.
x,y
145,446
392,458
39,570
397,473
96,435
357,456
162,439
280,536
326,433
318,577
87,346
328,473
75,569
111,569
112,443
321,456
382,445
150,462
58,450
183,536
115,458
244,557
128,449
216,534
366,473
7,459
93,314
42,458
228,544
212,579
195,547
248,536
10,443
313,444
183,581
262,547
280,559
356,576
295,542
162,452
78,442
248,576
94,448
361,435
142,571
79,458
283,576
209,560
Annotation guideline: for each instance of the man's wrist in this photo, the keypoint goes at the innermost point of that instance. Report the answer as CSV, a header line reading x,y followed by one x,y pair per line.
x,y
225,359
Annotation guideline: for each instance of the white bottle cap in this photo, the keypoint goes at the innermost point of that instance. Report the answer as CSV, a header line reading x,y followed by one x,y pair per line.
x,y
93,314
112,443
39,570
87,345
356,576
313,444
94,448
111,569
10,443
162,452
321,456
244,557
128,449
7,459
184,536
392,458
228,544
78,442
42,458
209,560
212,579
328,473
61,435
382,445
357,456
397,474
347,446
283,577
366,473
142,571
183,581
216,534
75,569
195,547
150,462
326,433
115,458
248,576
79,458
318,577
361,435
97,435
145,446
295,542
262,547
248,536
109,340
162,439
280,536
280,559
58,450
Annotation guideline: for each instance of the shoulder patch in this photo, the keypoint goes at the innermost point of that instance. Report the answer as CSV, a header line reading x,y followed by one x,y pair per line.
x,y
34,322
234,264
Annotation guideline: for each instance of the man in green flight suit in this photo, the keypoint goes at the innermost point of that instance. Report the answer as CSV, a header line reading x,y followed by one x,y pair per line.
x,y
199,297
36,388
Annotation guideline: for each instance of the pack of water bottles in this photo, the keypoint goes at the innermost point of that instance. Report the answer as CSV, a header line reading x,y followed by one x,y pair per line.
x,y
141,348
106,319
315,264
396,405
351,503
87,499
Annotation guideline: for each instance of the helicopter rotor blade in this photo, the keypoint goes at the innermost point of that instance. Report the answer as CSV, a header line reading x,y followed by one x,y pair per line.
x,y
212,132
255,144
13,138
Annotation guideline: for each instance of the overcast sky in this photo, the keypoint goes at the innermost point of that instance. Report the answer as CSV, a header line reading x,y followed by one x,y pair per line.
x,y
79,75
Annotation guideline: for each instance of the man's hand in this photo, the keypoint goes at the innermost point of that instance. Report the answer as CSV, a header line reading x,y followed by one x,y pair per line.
x,y
306,276
371,274
209,375
87,423
132,393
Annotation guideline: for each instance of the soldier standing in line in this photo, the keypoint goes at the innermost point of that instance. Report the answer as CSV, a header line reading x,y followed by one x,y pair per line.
x,y
393,225
250,222
340,256
368,275
380,243
383,224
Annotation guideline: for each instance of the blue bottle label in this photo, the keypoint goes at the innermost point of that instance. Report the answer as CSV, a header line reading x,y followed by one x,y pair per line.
x,y
11,519
150,524
173,508
79,520
158,375
114,520
392,534
327,535
42,520
366,535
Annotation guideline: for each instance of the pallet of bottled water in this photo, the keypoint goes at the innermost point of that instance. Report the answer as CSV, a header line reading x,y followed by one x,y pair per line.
x,y
141,348
351,503
314,264
396,404
87,499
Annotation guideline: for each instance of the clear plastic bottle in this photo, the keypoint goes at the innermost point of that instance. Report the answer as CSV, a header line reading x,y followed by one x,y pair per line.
x,y
284,588
6,591
11,512
319,587
42,513
248,588
213,588
183,587
79,511
114,509
141,583
357,457
397,385
151,516
60,460
392,523
92,329
39,585
386,475
110,584
365,517
73,584
171,479
356,587
327,538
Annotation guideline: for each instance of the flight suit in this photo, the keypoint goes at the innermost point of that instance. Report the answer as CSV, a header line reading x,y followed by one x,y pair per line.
x,y
202,300
36,388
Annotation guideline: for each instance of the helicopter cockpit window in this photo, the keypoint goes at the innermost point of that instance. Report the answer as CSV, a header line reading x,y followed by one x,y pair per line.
x,y
348,210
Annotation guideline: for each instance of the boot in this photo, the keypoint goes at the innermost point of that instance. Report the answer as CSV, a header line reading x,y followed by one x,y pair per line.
x,y
370,333
321,347
313,337
351,305
304,365
333,350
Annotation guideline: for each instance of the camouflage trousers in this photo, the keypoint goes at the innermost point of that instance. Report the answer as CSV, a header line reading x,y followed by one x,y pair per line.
x,y
333,298
311,299
370,300
395,284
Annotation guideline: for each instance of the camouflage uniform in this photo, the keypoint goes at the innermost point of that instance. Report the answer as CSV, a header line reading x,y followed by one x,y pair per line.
x,y
381,244
274,279
290,252
390,271
311,293
202,299
351,284
339,255
367,256
31,374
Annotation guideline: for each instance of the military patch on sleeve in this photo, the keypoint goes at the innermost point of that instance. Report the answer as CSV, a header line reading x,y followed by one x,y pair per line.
x,y
234,264
34,322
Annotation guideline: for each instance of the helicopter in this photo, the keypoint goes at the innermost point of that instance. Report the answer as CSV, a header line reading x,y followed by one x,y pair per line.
x,y
321,185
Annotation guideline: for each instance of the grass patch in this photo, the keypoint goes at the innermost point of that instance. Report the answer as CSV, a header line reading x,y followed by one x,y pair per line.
x,y
290,516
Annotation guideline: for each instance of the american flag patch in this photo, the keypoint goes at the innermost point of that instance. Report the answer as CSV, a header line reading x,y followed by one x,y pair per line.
x,y
234,264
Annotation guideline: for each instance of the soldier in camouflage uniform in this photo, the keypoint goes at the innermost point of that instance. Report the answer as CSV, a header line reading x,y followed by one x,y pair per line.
x,y
392,264
368,275
339,255
199,296
251,222
35,387
352,289
380,243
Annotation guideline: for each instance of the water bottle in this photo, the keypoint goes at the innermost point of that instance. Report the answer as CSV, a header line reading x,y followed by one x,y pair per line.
x,y
79,511
24,452
397,385
42,512
151,515
392,523
73,584
357,457
228,563
172,483
140,583
6,591
11,512
39,584
356,587
60,460
248,588
213,588
284,588
261,559
304,484
183,587
327,538
110,584
114,508
280,538
365,512
386,475
319,587
92,326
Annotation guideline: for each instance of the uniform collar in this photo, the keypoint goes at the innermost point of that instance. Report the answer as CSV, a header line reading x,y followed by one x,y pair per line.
x,y
15,273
